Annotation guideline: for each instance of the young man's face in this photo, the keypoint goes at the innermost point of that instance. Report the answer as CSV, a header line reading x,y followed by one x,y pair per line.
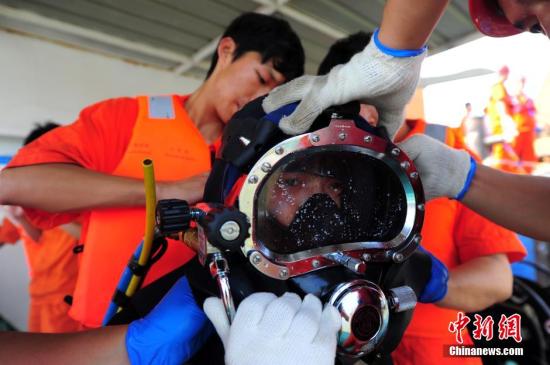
x,y
243,80
525,14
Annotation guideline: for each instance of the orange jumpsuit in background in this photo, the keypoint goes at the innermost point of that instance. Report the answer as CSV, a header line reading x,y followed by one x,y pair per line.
x,y
524,116
454,234
53,269
499,111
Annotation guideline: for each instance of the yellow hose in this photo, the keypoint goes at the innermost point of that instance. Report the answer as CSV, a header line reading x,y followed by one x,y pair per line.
x,y
150,204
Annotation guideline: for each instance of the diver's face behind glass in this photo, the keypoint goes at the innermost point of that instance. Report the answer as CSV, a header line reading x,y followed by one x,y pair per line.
x,y
321,198
292,189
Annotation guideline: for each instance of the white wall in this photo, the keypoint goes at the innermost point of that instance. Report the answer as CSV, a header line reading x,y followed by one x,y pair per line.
x,y
41,80
9,144
14,281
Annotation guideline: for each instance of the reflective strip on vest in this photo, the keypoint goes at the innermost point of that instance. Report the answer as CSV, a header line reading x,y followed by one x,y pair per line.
x,y
161,107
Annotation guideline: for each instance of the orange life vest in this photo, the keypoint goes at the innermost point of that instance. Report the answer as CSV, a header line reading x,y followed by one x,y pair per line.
x,y
455,235
524,114
165,133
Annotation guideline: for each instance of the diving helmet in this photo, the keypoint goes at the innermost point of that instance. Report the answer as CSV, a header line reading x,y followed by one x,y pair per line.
x,y
335,212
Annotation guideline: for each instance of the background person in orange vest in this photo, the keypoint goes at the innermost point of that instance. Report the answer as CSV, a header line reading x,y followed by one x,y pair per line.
x,y
95,164
524,114
53,267
514,201
476,251
501,127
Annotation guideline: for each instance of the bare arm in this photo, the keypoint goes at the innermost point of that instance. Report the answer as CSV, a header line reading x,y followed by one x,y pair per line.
x,y
520,203
478,284
64,187
408,24
16,215
101,346
170,334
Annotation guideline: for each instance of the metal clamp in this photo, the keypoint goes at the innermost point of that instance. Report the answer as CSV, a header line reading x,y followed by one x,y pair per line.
x,y
219,269
350,263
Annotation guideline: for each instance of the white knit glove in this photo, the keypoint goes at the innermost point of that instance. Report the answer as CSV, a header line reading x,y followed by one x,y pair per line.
x,y
372,77
273,331
444,171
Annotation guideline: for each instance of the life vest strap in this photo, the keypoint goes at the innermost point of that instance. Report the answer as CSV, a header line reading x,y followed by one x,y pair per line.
x,y
135,267
120,299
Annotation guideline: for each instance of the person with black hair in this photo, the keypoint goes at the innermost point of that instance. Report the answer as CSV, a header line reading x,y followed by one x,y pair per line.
x,y
39,130
52,265
476,251
341,52
94,164
271,37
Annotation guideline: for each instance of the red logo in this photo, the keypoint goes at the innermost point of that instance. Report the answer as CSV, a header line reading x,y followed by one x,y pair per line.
x,y
483,327
457,326
510,327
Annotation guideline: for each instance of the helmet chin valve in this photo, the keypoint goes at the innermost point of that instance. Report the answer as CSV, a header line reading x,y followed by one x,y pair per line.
x,y
402,298
365,311
365,316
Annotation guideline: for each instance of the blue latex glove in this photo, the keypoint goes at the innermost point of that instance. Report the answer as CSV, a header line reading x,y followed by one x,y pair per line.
x,y
172,332
436,287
